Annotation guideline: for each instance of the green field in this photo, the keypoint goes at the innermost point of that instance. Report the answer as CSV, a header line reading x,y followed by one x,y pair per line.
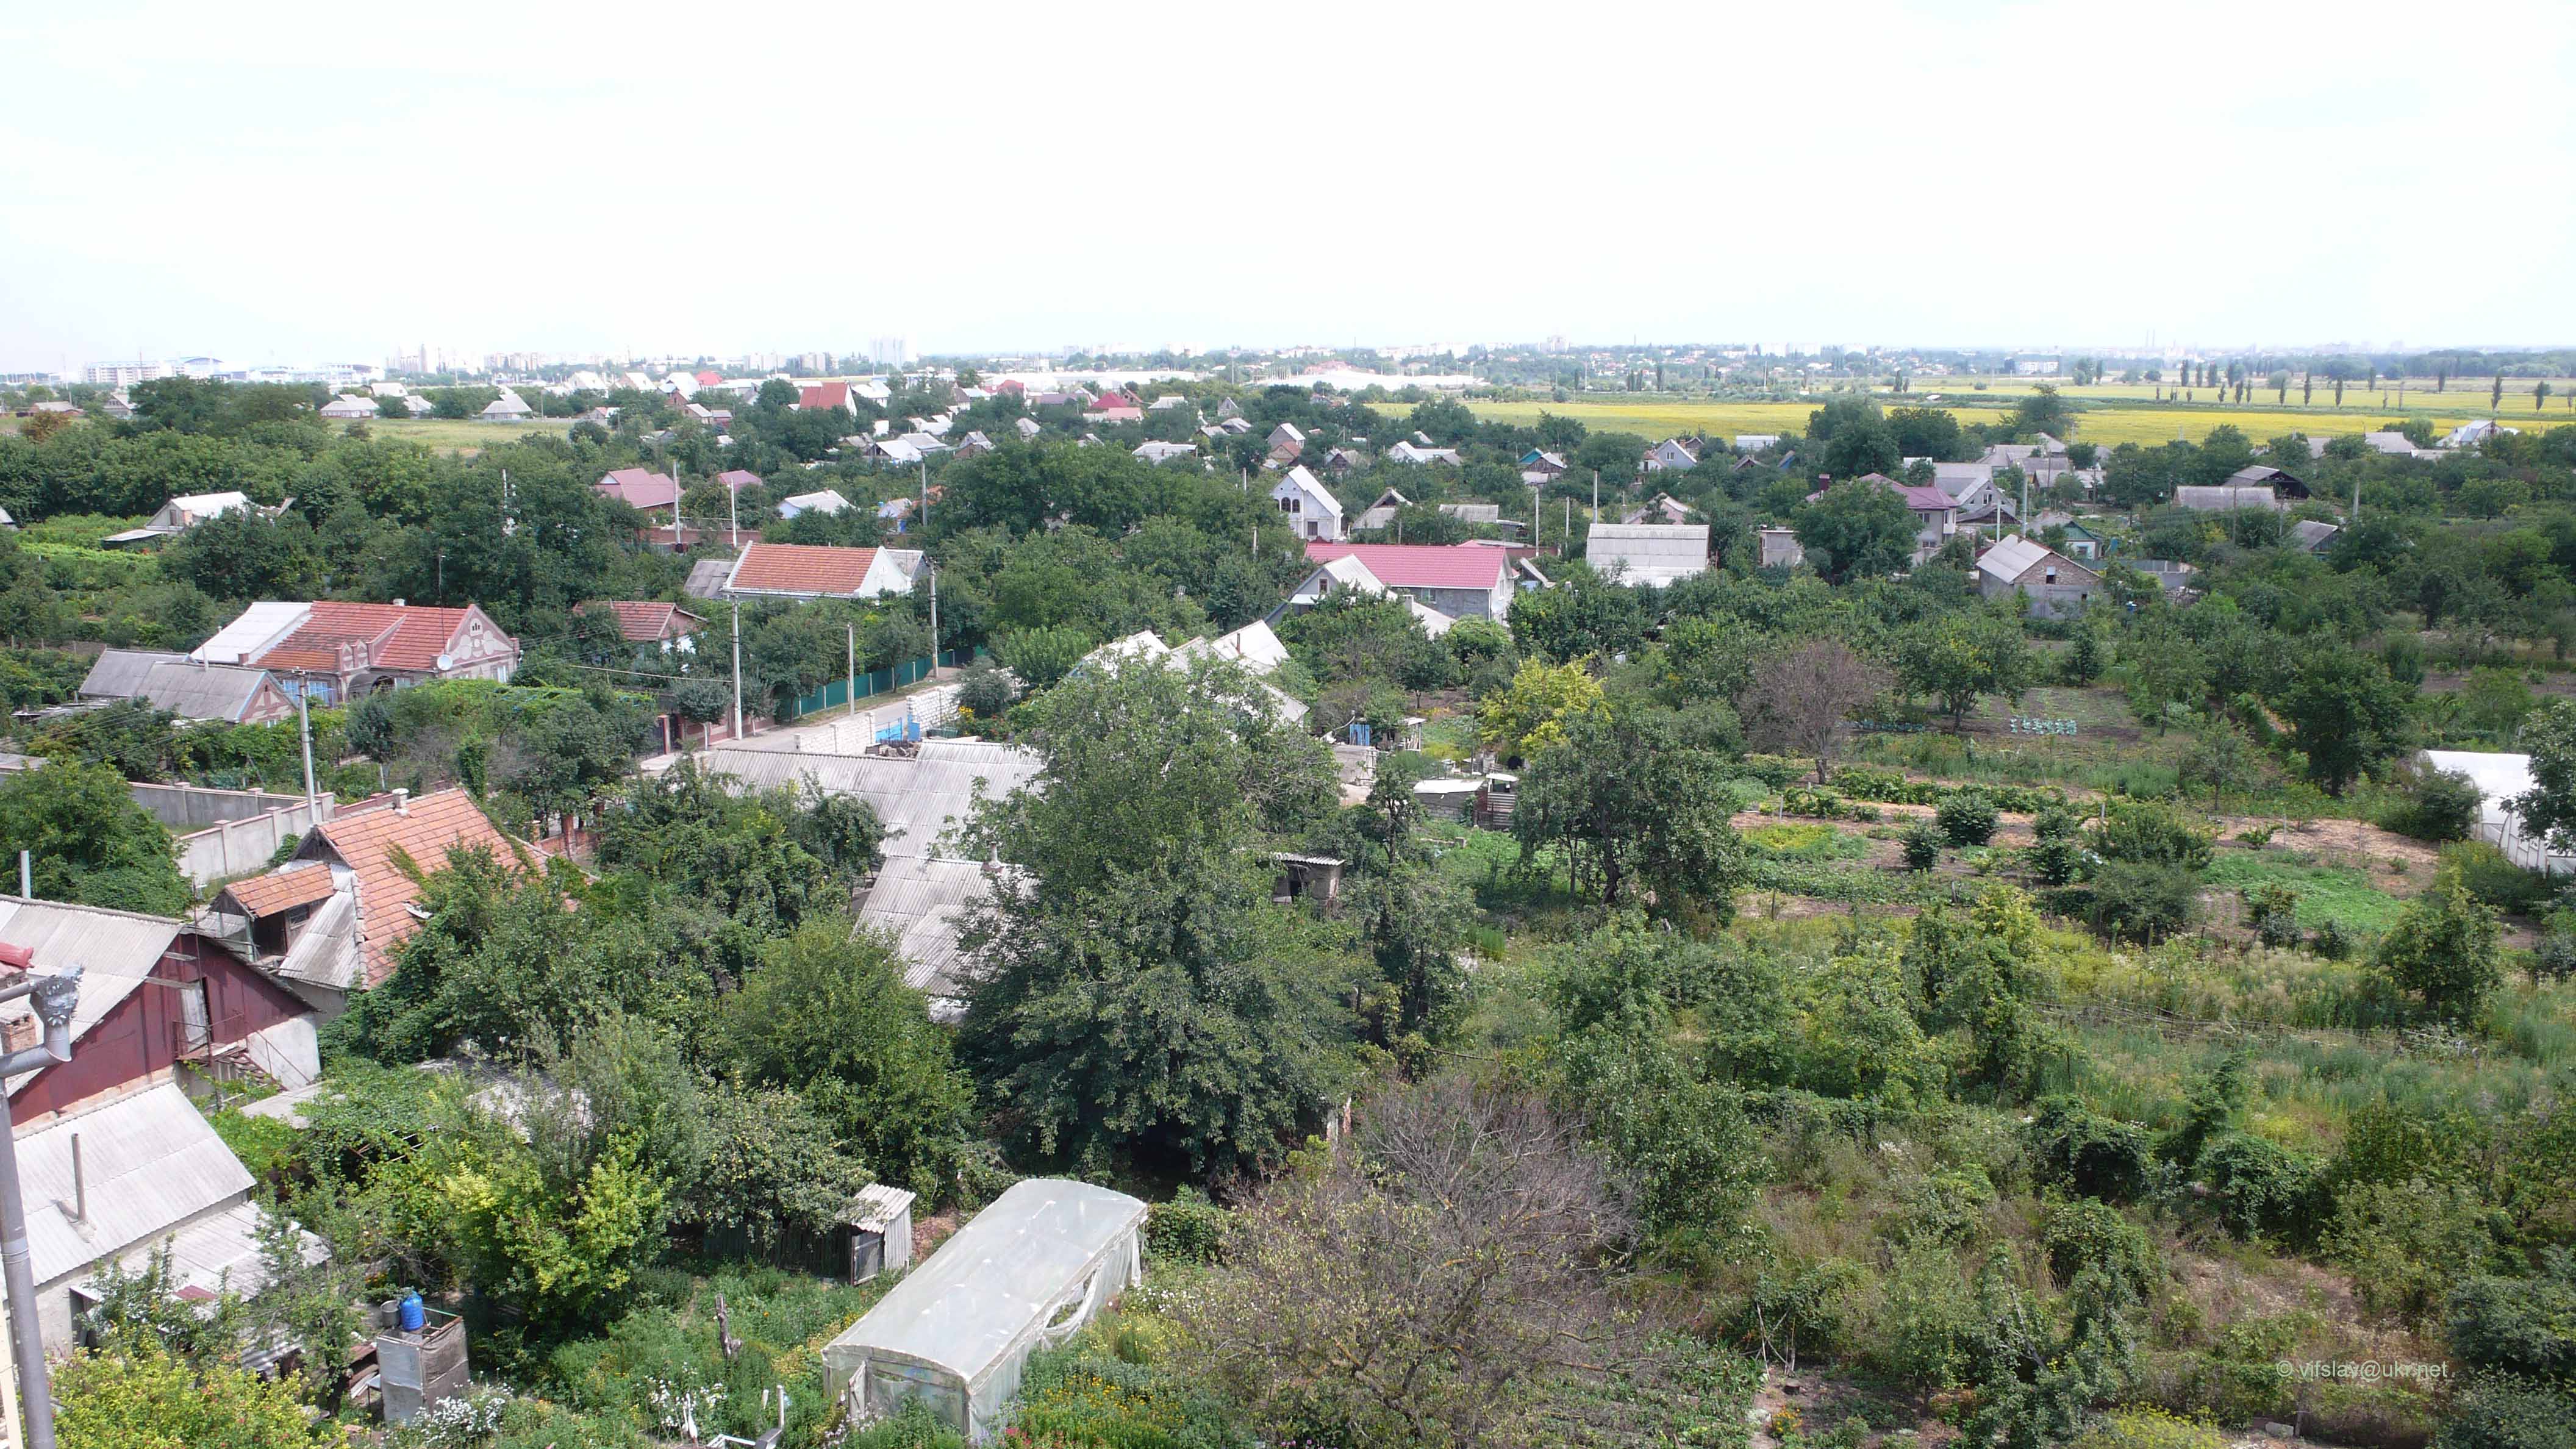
x,y
2107,425
463,435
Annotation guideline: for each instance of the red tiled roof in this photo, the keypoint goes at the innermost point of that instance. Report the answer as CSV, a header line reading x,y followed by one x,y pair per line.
x,y
640,622
709,379
1421,565
640,488
397,636
375,842
824,395
802,568
281,890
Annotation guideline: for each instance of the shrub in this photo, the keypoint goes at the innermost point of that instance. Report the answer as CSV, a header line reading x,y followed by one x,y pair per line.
x,y
1922,847
1966,818
2487,875
2084,1232
1188,1229
2148,1429
2256,1188
2150,832
2436,805
2273,912
2055,861
986,690
2503,1412
2083,1151
2555,958
2144,902
2442,952
2522,1325
2331,942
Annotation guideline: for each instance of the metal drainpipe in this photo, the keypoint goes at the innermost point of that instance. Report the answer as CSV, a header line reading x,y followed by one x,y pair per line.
x,y
55,997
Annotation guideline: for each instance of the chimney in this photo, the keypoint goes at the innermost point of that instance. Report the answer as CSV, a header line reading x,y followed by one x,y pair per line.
x,y
402,801
80,1184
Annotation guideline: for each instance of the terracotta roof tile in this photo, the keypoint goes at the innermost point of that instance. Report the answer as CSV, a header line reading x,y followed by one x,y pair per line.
x,y
641,622
282,890
372,843
802,568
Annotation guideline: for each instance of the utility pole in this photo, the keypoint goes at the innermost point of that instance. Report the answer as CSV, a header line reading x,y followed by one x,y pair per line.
x,y
737,669
934,617
56,996
854,666
304,727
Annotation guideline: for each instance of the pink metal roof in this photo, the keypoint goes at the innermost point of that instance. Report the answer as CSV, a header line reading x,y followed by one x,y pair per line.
x,y
1421,565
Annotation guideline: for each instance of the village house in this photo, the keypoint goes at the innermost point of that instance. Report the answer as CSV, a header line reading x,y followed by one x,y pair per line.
x,y
1780,548
823,396
667,626
1670,453
641,489
330,920
1154,452
185,512
191,689
1664,509
1408,451
817,571
126,1178
1647,553
826,501
157,996
335,650
1460,581
1538,467
2052,586
509,407
1313,512
350,409
1382,513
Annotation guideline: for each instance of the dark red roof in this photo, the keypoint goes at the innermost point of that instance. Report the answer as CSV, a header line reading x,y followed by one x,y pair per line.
x,y
1421,565
824,395
737,479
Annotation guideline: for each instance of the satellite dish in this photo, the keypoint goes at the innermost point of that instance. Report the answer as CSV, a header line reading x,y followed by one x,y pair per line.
x,y
446,662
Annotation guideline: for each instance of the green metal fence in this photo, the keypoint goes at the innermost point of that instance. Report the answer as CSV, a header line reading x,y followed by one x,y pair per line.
x,y
880,681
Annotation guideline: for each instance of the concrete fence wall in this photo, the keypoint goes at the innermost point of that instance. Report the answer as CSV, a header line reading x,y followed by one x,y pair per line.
x,y
236,846
194,807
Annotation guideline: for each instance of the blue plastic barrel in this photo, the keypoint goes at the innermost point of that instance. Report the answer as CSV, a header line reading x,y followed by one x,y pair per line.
x,y
410,1314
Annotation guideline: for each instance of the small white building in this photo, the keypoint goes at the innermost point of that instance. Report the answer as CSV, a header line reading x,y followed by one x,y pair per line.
x,y
827,501
1648,553
349,409
509,407
1314,514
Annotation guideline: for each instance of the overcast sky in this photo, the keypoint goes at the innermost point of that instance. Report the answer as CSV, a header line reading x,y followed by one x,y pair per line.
x,y
271,184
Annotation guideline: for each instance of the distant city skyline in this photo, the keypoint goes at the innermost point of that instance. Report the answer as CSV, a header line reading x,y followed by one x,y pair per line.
x,y
334,186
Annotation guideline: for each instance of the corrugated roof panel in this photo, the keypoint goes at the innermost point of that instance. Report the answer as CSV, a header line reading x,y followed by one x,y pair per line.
x,y
148,1163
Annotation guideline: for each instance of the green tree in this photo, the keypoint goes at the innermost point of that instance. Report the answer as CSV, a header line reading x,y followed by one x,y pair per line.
x,y
2442,952
132,1394
2549,807
1856,529
1541,705
1630,805
2345,714
2043,411
1133,988
1957,659
828,1016
91,843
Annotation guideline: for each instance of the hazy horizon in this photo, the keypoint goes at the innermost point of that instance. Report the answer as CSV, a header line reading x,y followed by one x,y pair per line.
x,y
336,185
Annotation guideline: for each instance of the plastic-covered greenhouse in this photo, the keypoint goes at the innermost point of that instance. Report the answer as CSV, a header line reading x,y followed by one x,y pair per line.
x,y
1027,1273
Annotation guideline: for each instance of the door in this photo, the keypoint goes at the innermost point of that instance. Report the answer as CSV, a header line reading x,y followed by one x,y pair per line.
x,y
196,1025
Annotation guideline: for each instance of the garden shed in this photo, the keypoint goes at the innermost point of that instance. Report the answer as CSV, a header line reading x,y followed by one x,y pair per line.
x,y
1026,1274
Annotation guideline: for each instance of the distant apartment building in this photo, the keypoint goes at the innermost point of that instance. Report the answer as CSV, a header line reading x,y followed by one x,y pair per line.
x,y
890,351
125,374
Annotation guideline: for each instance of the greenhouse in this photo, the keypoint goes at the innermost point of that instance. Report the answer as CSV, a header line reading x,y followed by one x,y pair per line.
x,y
1026,1274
